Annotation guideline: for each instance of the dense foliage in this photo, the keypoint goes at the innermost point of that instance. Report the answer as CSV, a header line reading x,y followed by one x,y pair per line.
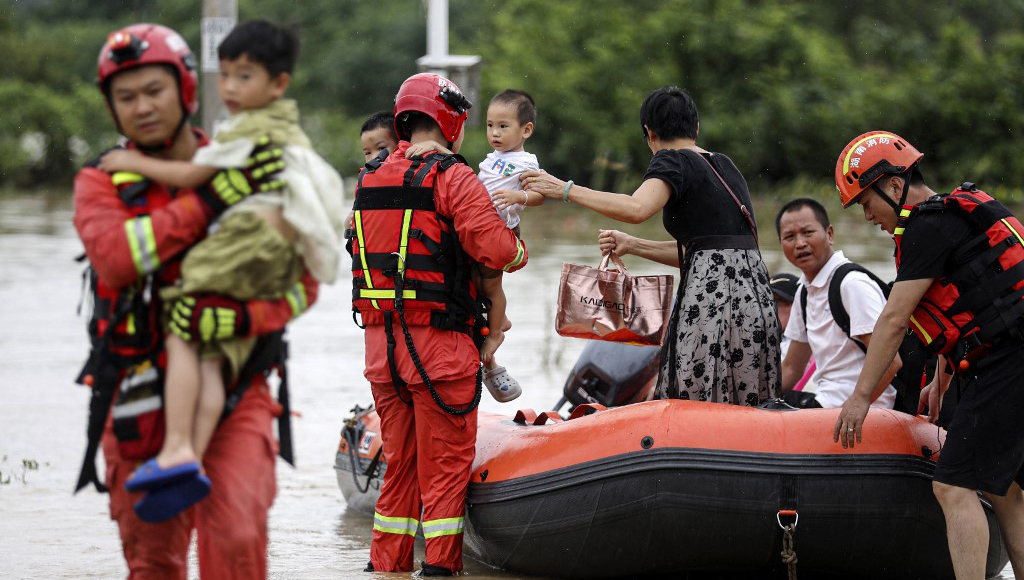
x,y
782,85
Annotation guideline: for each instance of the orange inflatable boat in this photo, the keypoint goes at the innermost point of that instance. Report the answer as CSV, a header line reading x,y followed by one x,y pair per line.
x,y
658,488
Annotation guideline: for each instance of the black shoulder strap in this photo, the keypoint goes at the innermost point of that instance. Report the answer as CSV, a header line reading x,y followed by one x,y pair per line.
x,y
376,162
803,304
447,161
835,297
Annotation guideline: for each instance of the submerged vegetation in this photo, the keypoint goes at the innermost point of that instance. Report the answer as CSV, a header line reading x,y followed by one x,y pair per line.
x,y
9,474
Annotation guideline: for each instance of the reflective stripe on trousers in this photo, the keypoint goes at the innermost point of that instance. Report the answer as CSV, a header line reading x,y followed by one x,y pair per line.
x,y
393,525
429,454
443,527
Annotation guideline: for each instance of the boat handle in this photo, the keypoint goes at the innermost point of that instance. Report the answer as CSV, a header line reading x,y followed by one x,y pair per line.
x,y
790,513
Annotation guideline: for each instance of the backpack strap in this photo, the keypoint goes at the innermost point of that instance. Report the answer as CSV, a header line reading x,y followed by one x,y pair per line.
x,y
803,305
835,297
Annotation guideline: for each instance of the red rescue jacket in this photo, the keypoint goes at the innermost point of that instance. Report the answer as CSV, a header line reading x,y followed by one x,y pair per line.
x,y
979,303
135,233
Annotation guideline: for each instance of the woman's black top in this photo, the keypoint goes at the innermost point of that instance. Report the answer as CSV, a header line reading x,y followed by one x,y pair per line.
x,y
700,206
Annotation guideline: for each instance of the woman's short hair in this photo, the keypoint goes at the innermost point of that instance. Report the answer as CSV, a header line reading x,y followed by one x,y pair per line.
x,y
670,113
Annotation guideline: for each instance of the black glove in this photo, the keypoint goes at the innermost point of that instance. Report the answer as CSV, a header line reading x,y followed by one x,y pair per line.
x,y
207,318
260,174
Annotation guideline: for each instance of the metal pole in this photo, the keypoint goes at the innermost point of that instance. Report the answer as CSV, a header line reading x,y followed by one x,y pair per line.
x,y
437,33
219,17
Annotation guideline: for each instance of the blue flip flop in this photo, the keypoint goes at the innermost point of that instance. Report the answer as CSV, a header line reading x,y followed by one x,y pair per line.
x,y
150,475
166,502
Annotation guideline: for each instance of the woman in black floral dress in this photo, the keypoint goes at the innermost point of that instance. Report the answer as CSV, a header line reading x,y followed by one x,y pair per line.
x,y
723,337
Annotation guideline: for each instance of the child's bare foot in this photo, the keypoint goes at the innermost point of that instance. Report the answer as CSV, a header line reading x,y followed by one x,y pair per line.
x,y
490,346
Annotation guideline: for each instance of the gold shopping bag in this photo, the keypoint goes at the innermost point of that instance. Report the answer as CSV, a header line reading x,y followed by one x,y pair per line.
x,y
603,304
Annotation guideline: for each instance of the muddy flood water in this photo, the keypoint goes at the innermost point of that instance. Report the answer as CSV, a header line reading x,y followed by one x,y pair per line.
x,y
45,532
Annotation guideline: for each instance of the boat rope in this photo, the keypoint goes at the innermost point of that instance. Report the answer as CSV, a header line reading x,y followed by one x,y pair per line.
x,y
788,552
371,470
351,433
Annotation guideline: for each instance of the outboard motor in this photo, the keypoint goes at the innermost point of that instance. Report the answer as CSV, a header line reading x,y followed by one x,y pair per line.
x,y
611,374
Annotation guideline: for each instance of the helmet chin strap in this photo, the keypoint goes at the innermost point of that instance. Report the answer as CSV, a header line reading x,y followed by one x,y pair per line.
x,y
896,207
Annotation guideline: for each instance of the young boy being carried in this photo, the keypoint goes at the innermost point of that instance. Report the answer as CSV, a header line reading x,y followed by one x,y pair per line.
x,y
377,137
378,134
511,118
257,250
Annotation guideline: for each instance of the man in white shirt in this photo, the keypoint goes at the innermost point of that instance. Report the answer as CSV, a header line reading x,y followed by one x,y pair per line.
x,y
806,237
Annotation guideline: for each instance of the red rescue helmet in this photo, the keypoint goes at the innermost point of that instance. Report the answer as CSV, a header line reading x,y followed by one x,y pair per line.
x,y
143,44
869,157
435,97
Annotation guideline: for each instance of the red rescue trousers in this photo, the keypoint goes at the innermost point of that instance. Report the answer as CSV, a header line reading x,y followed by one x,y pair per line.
x,y
231,523
429,455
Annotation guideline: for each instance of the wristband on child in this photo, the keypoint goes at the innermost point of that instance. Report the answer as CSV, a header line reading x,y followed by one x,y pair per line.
x,y
565,192
526,198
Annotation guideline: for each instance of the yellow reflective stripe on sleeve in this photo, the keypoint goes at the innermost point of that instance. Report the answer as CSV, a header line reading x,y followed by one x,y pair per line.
x,y
403,242
123,177
358,218
443,527
1015,232
393,525
388,294
905,212
297,299
142,243
927,337
898,232
520,254
853,148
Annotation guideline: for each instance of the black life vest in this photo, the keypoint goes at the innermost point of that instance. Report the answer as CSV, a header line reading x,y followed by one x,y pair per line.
x,y
979,304
400,235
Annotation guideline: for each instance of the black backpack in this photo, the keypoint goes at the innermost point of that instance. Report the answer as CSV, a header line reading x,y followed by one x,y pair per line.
x,y
918,364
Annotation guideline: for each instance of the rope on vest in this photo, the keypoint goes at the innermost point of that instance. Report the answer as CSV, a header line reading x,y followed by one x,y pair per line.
x,y
788,552
400,309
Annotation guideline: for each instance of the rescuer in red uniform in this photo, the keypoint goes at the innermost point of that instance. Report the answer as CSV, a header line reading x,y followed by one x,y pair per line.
x,y
418,224
135,233
960,288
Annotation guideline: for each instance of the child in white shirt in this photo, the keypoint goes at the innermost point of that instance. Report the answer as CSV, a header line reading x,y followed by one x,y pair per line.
x,y
511,117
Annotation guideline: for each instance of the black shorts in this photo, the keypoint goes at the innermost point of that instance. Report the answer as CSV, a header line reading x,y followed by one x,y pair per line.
x,y
984,447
